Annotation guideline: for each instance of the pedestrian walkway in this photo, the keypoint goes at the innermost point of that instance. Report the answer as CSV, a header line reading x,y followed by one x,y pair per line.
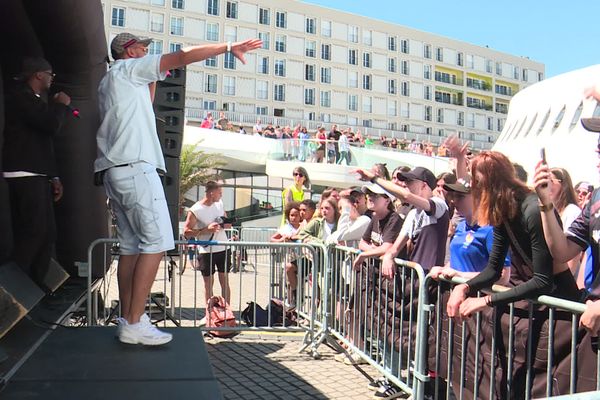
x,y
269,367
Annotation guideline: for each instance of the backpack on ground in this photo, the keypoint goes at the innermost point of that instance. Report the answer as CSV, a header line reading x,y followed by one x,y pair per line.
x,y
219,315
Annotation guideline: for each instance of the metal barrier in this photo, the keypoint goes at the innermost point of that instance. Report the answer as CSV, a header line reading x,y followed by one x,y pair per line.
x,y
375,318
524,350
176,296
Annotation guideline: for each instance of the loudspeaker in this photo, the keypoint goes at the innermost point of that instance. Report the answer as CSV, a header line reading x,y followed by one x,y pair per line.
x,y
18,295
169,97
170,181
169,126
55,276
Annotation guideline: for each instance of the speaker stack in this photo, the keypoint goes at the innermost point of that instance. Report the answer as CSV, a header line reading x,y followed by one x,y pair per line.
x,y
169,108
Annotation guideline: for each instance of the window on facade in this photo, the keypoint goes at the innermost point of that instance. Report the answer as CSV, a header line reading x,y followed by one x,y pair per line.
x,y
309,96
405,67
280,68
367,37
212,7
157,23
262,90
391,64
229,86
427,115
352,58
488,66
577,115
498,68
232,10
404,46
405,89
266,39
229,61
209,105
280,43
155,47
525,76
459,59
460,118
264,16
426,71
490,123
392,43
173,47
118,17
439,54
211,62
516,72
326,51
367,60
427,51
325,75
325,98
352,102
212,32
311,48
392,107
263,65
367,123
309,72
177,26
178,4
311,25
280,19
440,116
366,82
392,86
262,110
279,92
427,92
211,83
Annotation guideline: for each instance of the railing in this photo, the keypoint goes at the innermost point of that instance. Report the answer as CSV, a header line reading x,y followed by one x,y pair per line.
x,y
249,120
399,326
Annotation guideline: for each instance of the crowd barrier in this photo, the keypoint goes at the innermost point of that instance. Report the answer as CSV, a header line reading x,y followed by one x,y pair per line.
x,y
524,350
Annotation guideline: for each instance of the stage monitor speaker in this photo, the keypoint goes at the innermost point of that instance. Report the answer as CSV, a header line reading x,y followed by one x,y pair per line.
x,y
18,295
55,276
169,97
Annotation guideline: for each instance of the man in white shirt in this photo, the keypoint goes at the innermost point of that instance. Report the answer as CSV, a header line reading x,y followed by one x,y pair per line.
x,y
257,129
129,153
205,222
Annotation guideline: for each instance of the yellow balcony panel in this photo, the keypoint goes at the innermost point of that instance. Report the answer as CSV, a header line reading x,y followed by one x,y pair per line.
x,y
451,71
487,99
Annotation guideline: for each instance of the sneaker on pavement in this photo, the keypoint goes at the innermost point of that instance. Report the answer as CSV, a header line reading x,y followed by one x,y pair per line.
x,y
377,383
388,392
143,333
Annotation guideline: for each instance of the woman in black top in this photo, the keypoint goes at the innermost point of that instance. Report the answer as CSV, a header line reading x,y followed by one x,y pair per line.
x,y
513,209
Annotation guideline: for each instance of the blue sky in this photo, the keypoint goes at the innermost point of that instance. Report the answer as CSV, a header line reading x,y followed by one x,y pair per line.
x,y
563,35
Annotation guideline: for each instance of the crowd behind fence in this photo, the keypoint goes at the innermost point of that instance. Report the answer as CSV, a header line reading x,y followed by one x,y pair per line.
x,y
528,349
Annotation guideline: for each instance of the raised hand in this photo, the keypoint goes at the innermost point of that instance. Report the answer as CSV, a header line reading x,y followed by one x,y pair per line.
x,y
239,49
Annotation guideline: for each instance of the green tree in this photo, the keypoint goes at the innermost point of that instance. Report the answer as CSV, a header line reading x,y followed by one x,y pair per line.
x,y
196,168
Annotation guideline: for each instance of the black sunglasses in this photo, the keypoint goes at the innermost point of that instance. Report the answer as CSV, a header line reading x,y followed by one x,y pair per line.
x,y
298,174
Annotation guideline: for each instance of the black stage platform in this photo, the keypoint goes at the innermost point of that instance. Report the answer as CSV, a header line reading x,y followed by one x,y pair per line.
x,y
90,363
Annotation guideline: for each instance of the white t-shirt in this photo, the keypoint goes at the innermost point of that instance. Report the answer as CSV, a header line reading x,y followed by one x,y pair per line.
x,y
205,215
343,143
127,132
569,214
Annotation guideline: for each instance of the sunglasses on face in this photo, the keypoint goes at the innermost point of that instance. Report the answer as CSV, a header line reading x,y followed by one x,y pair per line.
x,y
298,174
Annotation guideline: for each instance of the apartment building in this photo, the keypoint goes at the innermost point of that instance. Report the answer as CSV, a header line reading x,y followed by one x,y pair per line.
x,y
322,66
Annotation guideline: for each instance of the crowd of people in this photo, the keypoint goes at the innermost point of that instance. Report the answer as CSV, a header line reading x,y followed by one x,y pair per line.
x,y
333,146
480,222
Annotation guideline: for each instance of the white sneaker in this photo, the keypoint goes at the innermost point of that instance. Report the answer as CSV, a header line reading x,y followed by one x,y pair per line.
x,y
121,322
143,333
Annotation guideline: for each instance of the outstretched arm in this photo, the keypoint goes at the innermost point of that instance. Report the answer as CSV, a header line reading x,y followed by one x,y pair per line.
x,y
188,55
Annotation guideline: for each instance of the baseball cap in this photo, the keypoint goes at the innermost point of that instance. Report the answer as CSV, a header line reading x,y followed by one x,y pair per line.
x,y
123,41
373,188
31,65
591,124
461,186
419,174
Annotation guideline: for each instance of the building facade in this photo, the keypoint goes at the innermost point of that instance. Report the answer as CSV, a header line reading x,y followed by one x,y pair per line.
x,y
323,66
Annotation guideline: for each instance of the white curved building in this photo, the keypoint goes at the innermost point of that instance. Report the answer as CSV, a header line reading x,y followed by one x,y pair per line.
x,y
547,114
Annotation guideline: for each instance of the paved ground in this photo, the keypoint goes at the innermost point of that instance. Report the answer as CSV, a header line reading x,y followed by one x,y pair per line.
x,y
257,366
260,367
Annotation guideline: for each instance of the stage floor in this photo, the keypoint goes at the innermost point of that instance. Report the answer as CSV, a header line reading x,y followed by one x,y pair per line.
x,y
90,363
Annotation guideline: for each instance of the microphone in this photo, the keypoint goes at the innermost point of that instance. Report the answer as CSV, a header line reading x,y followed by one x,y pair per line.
x,y
74,111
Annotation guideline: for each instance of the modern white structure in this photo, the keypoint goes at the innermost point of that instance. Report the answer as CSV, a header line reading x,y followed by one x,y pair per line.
x,y
320,65
548,114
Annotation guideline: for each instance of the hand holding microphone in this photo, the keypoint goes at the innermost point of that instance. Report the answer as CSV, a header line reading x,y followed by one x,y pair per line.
x,y
63,98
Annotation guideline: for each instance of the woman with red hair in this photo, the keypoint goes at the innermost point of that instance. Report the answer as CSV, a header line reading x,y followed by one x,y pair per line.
x,y
504,202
